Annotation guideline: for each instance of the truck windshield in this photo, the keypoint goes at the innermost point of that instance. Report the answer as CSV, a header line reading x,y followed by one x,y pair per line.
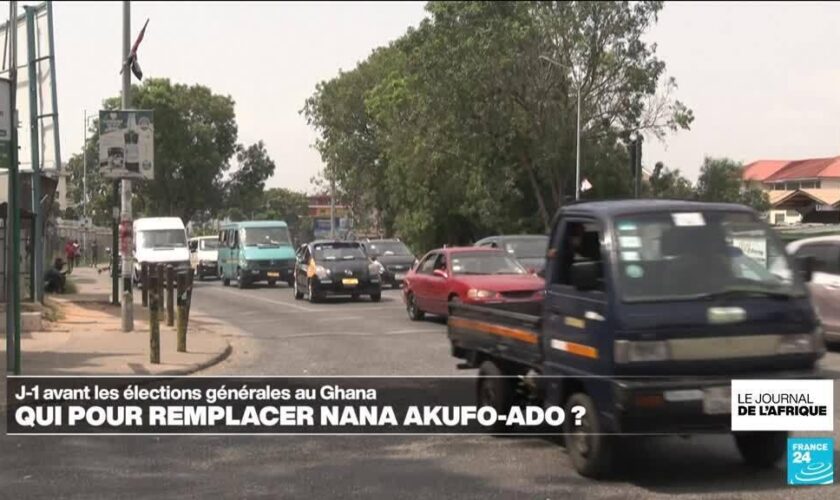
x,y
695,255
337,251
527,248
162,238
485,263
387,248
266,236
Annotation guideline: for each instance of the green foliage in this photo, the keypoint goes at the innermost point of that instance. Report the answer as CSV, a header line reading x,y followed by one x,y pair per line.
x,y
670,184
245,187
195,137
460,128
721,180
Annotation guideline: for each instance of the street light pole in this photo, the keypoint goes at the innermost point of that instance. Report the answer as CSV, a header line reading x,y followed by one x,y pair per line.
x,y
125,218
577,85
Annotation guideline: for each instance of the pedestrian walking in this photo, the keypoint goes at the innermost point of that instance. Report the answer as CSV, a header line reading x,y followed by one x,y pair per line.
x,y
94,253
70,253
77,252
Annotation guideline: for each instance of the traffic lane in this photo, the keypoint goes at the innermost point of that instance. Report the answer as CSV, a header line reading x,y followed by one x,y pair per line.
x,y
371,467
339,336
665,465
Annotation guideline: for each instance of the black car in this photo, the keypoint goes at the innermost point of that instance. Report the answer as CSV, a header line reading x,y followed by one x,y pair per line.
x,y
325,267
396,259
529,249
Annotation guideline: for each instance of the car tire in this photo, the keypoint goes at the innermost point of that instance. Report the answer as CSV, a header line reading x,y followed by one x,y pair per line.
x,y
354,296
414,312
240,280
590,451
225,281
298,293
272,283
313,296
494,391
376,297
761,449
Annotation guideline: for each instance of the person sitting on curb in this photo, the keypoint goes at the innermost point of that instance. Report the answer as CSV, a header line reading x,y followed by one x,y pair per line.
x,y
54,277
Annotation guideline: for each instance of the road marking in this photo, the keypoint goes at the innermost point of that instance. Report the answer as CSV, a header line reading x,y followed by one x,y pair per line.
x,y
324,308
263,299
338,318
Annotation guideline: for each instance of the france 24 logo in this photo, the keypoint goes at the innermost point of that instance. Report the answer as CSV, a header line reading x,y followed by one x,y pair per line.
x,y
810,461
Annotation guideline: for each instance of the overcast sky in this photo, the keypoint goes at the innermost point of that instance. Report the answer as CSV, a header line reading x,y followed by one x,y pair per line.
x,y
763,79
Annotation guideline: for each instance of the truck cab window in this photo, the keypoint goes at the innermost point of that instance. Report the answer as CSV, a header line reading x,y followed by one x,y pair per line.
x,y
581,242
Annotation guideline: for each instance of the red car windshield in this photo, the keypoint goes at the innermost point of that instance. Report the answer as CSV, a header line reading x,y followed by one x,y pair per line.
x,y
485,263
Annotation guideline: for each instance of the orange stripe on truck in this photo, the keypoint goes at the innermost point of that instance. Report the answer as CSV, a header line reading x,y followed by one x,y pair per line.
x,y
576,349
502,331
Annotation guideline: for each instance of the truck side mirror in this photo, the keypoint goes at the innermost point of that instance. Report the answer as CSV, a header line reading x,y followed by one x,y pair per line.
x,y
584,275
805,266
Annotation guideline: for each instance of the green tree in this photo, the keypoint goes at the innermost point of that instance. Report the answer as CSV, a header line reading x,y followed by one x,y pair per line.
x,y
245,187
195,137
721,180
670,184
459,128
289,206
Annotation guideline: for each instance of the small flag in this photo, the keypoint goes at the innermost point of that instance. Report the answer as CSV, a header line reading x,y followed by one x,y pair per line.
x,y
131,62
585,185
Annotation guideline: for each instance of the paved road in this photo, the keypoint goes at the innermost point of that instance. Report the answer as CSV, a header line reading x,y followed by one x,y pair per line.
x,y
283,336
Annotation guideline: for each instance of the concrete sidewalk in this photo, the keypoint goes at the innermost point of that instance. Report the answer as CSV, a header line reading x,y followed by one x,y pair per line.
x,y
88,339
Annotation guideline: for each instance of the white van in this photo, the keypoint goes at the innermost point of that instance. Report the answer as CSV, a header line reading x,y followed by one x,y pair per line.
x,y
160,240
204,256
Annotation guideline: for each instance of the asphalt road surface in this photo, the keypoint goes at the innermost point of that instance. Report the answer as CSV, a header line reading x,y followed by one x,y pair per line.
x,y
281,336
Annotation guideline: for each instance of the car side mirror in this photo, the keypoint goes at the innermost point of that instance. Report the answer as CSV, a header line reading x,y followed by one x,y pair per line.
x,y
584,275
440,273
805,265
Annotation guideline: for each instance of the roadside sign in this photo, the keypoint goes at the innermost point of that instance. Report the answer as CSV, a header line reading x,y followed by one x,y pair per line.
x,y
126,144
5,122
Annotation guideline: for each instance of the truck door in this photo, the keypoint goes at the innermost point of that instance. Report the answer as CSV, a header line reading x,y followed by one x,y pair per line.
x,y
575,318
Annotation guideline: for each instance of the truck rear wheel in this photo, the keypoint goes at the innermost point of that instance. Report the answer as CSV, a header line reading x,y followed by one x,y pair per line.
x,y
495,391
590,451
761,449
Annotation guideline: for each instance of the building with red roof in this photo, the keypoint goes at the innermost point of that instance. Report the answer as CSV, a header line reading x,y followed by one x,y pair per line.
x,y
799,190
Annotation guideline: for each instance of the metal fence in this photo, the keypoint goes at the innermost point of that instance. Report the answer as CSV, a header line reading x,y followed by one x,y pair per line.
x,y
94,243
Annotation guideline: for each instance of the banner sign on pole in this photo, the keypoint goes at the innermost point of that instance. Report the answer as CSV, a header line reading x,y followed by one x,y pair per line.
x,y
126,144
5,122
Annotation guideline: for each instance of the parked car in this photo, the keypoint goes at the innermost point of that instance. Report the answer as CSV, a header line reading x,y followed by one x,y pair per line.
x,y
824,253
529,249
204,256
160,240
472,275
253,251
326,267
396,259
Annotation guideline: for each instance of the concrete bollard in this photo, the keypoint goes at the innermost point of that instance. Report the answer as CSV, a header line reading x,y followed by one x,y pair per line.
x,y
144,282
154,318
170,300
182,312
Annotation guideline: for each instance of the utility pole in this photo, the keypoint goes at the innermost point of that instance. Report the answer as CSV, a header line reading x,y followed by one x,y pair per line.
x,y
577,149
125,216
332,208
13,211
37,268
84,184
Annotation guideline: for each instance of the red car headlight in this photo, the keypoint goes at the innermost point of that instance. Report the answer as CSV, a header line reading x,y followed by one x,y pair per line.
x,y
475,293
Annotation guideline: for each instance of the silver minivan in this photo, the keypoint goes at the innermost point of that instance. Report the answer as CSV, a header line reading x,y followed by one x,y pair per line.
x,y
825,283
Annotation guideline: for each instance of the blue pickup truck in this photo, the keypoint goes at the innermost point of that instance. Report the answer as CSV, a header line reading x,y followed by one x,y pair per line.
x,y
651,308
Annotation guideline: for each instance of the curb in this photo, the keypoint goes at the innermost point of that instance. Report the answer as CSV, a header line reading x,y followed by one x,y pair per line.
x,y
218,358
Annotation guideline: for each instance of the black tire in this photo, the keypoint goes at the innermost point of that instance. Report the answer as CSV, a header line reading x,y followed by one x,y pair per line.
x,y
376,297
225,281
272,283
761,449
354,296
414,312
454,299
298,293
496,392
290,282
313,295
240,280
591,452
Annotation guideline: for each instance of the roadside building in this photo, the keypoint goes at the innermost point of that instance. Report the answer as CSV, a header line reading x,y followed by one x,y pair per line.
x,y
800,191
319,211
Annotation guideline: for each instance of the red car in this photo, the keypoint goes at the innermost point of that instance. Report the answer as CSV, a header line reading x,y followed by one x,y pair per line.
x,y
472,275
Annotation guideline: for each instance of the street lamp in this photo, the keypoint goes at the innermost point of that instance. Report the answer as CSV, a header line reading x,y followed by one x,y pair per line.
x,y
576,82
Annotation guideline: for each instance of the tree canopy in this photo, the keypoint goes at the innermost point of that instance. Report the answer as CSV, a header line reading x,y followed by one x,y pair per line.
x,y
466,125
